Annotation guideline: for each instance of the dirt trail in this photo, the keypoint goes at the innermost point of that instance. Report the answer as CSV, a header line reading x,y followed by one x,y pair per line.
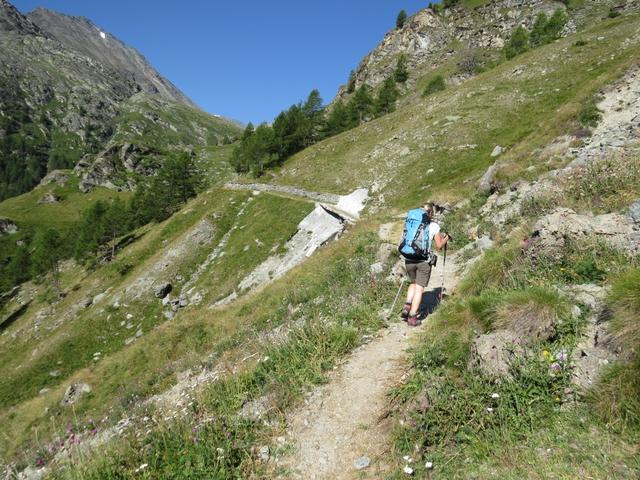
x,y
344,420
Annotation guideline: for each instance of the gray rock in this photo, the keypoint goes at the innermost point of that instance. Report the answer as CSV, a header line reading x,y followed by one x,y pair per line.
x,y
484,243
634,212
376,268
487,179
98,298
497,151
362,463
183,302
493,353
87,302
168,314
163,290
7,227
74,392
139,333
49,198
263,453
563,223
58,177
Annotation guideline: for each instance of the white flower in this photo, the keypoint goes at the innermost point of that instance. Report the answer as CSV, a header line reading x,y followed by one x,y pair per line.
x,y
495,395
407,458
408,470
142,467
428,465
489,409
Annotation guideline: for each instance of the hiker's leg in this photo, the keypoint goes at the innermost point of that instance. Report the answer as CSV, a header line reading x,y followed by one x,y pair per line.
x,y
417,299
411,292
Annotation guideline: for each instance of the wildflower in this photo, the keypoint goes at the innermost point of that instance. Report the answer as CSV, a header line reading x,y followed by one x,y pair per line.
x,y
546,354
141,467
408,470
407,458
495,396
428,465
489,409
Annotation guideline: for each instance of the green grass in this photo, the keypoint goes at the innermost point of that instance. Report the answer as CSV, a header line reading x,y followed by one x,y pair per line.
x,y
533,428
28,213
521,112
148,120
311,350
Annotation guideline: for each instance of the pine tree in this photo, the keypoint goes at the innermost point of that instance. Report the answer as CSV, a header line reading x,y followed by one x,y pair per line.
x,y
538,31
338,120
401,19
519,43
116,220
48,251
386,99
401,73
361,105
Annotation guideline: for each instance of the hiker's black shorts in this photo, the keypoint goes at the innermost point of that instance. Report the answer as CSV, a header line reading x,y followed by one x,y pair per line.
x,y
418,272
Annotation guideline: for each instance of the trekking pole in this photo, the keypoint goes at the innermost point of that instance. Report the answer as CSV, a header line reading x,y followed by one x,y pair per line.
x,y
395,299
444,264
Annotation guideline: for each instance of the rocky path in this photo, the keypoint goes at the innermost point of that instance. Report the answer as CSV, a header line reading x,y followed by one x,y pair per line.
x,y
330,198
343,422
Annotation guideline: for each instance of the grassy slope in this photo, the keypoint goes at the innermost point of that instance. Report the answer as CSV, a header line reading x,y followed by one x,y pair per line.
x,y
534,107
153,121
484,104
69,348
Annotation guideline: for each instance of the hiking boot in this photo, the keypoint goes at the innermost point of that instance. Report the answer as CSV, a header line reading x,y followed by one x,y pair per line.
x,y
413,321
405,311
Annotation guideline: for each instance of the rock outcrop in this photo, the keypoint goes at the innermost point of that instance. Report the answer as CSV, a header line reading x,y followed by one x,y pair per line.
x,y
426,37
7,227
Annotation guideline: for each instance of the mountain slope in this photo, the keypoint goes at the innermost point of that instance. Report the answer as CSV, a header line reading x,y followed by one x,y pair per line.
x,y
63,94
81,35
192,387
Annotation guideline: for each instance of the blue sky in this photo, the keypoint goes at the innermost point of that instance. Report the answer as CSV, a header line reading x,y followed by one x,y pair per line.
x,y
246,60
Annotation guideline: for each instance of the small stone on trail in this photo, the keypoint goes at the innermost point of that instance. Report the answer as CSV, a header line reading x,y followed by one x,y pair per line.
x,y
362,463
497,151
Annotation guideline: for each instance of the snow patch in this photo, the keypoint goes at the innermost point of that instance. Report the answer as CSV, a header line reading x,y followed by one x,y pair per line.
x,y
103,35
351,205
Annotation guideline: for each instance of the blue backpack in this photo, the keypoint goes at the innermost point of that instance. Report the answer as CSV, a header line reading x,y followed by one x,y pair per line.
x,y
415,244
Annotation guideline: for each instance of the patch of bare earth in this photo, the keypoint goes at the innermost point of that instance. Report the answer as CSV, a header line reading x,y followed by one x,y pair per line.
x,y
345,420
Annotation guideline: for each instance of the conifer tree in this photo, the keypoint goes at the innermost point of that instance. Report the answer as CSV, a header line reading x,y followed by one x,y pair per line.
x,y
361,105
386,99
401,19
48,251
401,73
519,43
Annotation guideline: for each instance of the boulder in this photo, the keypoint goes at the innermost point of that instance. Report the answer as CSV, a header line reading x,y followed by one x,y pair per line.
x,y
563,223
497,151
492,353
58,177
74,392
7,227
634,212
49,198
487,180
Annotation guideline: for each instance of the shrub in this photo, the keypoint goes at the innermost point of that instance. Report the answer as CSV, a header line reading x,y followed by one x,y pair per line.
x,y
436,84
470,63
518,43
590,114
613,13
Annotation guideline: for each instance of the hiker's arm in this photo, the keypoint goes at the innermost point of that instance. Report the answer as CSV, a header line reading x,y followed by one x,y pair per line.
x,y
441,239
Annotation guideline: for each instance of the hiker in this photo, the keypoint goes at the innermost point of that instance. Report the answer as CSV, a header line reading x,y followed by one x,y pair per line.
x,y
420,233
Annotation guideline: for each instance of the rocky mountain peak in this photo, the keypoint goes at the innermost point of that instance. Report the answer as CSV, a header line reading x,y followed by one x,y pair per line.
x,y
11,20
83,36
